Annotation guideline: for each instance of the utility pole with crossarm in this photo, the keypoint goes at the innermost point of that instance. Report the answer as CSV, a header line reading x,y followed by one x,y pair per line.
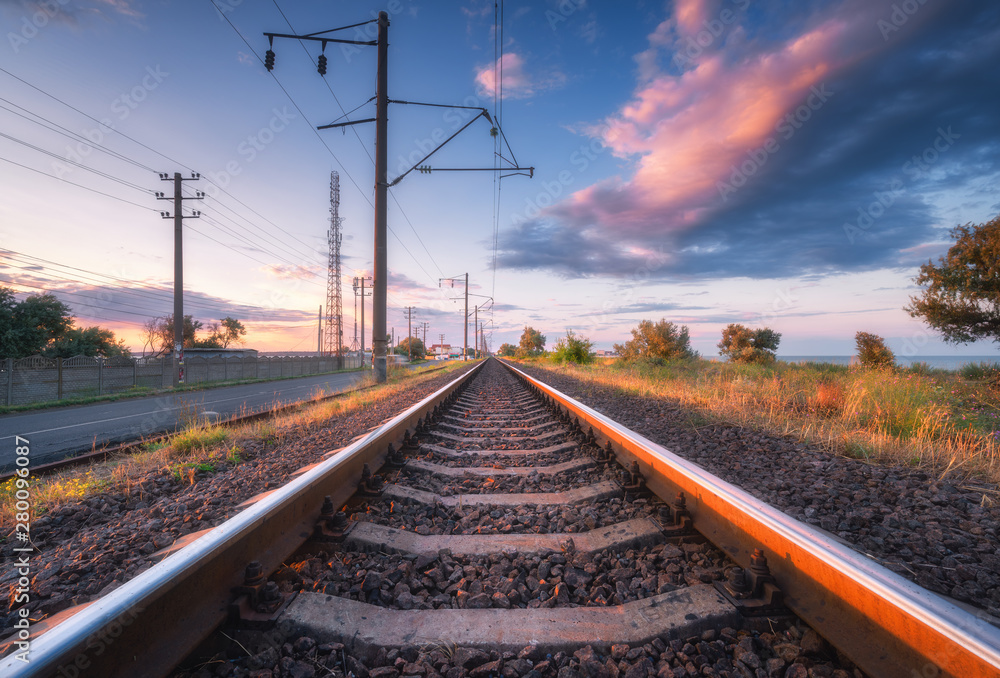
x,y
382,184
179,217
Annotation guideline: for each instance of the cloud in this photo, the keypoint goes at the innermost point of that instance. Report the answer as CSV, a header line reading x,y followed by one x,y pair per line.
x,y
294,272
517,82
723,182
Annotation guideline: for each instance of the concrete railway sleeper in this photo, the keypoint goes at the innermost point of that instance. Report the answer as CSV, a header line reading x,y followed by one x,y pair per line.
x,y
501,529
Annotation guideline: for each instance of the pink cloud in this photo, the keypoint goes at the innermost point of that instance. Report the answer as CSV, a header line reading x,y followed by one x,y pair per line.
x,y
691,15
517,82
688,132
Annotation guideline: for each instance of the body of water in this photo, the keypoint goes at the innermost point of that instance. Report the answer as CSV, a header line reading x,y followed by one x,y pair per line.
x,y
944,362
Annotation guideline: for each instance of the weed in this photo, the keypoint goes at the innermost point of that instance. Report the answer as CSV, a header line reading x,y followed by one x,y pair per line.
x,y
935,416
197,438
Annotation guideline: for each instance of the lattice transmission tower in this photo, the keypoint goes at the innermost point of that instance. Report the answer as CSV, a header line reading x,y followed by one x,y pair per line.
x,y
334,339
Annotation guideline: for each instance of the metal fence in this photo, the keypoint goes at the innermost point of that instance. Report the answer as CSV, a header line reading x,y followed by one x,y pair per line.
x,y
37,379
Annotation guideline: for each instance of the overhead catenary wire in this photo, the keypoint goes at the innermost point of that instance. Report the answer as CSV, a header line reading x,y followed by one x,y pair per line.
x,y
305,118
364,146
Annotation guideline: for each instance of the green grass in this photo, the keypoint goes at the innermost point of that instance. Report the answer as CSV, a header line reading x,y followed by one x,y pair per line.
x,y
911,416
199,437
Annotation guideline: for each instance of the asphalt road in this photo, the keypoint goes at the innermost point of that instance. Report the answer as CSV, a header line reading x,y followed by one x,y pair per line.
x,y
56,433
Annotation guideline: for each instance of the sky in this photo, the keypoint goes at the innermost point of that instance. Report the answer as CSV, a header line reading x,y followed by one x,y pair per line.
x,y
778,164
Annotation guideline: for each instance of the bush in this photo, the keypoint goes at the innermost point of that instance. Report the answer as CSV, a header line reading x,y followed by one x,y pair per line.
x,y
661,341
573,349
419,352
873,353
980,372
507,350
743,345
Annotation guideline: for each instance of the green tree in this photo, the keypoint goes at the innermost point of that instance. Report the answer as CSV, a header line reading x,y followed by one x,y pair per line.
x,y
230,331
90,341
657,341
743,345
872,351
532,343
573,349
29,326
419,352
165,332
507,350
961,299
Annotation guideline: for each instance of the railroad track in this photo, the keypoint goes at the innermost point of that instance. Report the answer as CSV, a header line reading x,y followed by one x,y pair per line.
x,y
501,529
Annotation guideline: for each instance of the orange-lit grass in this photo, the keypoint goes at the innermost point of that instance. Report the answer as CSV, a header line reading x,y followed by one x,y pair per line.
x,y
201,446
886,417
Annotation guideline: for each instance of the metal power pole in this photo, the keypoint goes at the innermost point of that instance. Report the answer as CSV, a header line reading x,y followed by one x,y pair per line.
x,y
425,325
319,331
334,299
359,282
409,333
475,330
179,217
465,324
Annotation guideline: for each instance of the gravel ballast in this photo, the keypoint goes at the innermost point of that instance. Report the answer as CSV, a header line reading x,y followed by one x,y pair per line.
x,y
937,532
87,548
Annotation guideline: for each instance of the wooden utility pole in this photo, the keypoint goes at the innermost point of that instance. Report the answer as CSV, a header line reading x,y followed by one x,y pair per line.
x,y
381,162
381,190
179,217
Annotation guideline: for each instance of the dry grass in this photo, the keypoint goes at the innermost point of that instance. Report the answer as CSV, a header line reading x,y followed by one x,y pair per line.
x,y
933,419
202,447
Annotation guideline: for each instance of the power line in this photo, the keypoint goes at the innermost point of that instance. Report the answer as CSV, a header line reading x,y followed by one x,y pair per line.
x,y
69,134
72,183
364,147
74,163
94,277
149,148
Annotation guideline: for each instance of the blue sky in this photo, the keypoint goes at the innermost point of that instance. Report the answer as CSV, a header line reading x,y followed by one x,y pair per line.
x,y
704,161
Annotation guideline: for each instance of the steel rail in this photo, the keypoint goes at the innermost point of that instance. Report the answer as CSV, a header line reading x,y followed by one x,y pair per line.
x,y
162,614
133,444
887,625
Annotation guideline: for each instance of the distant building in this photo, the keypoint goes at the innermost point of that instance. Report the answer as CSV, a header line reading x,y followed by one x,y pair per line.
x,y
441,349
